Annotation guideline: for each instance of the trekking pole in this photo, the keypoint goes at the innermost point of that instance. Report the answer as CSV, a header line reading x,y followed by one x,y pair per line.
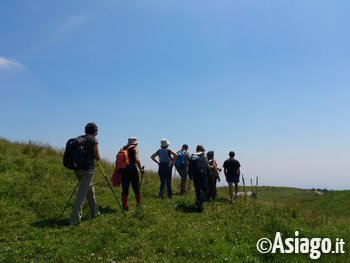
x,y
142,172
174,176
243,183
75,188
188,188
104,175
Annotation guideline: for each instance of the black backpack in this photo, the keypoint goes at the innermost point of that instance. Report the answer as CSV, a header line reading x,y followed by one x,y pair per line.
x,y
75,156
195,166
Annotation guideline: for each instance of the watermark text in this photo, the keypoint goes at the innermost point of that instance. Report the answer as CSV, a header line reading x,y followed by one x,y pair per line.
x,y
315,247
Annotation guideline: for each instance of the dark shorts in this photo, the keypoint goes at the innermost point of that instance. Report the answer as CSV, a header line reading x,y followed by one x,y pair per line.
x,y
233,179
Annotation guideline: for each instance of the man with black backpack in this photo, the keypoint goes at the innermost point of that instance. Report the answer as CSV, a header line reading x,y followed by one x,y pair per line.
x,y
197,167
181,166
84,173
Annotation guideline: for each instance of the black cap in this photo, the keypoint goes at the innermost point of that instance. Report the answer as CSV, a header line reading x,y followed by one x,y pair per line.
x,y
210,153
91,127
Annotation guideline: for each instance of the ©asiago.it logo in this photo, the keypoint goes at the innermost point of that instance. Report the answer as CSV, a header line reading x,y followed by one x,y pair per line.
x,y
315,247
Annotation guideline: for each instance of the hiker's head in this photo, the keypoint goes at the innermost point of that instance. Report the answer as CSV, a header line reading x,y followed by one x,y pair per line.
x,y
210,154
200,148
132,141
164,143
231,154
91,128
185,147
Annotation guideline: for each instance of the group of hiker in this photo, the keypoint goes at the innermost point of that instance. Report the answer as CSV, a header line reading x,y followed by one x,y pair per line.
x,y
200,167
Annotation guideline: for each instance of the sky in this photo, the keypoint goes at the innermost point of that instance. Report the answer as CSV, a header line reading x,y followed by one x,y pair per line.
x,y
267,79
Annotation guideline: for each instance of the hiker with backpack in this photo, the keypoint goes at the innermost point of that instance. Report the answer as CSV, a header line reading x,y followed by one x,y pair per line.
x,y
129,168
181,167
232,174
166,159
212,176
197,167
83,159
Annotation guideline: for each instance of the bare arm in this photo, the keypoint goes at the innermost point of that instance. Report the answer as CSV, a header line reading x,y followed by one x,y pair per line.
x,y
96,152
216,169
153,157
225,170
211,166
138,162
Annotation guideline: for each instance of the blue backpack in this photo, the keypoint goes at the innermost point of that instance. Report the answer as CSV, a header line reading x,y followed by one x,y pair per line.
x,y
180,161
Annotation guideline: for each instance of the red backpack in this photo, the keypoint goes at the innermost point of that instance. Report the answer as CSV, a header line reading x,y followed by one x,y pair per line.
x,y
122,158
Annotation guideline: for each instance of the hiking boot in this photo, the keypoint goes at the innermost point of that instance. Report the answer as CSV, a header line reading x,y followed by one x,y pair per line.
x,y
232,201
199,207
96,215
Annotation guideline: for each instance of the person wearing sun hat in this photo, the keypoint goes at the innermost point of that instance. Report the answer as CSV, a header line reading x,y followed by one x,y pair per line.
x,y
165,161
131,174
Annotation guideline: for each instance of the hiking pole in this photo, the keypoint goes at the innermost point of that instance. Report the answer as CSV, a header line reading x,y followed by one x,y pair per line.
x,y
174,176
104,175
75,188
142,172
243,183
188,187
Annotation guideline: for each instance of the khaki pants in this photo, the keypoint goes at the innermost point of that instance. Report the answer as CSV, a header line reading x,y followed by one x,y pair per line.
x,y
183,175
85,191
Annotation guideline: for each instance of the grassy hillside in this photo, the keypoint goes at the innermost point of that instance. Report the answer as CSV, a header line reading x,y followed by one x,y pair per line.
x,y
332,203
34,188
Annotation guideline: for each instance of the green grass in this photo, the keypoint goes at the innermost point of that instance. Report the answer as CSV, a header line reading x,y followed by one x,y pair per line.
x,y
332,203
34,188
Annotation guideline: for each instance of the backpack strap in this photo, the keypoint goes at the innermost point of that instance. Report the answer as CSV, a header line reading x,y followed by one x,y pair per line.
x,y
131,149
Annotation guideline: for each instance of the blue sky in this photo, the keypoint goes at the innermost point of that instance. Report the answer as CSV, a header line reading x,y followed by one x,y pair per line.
x,y
267,79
